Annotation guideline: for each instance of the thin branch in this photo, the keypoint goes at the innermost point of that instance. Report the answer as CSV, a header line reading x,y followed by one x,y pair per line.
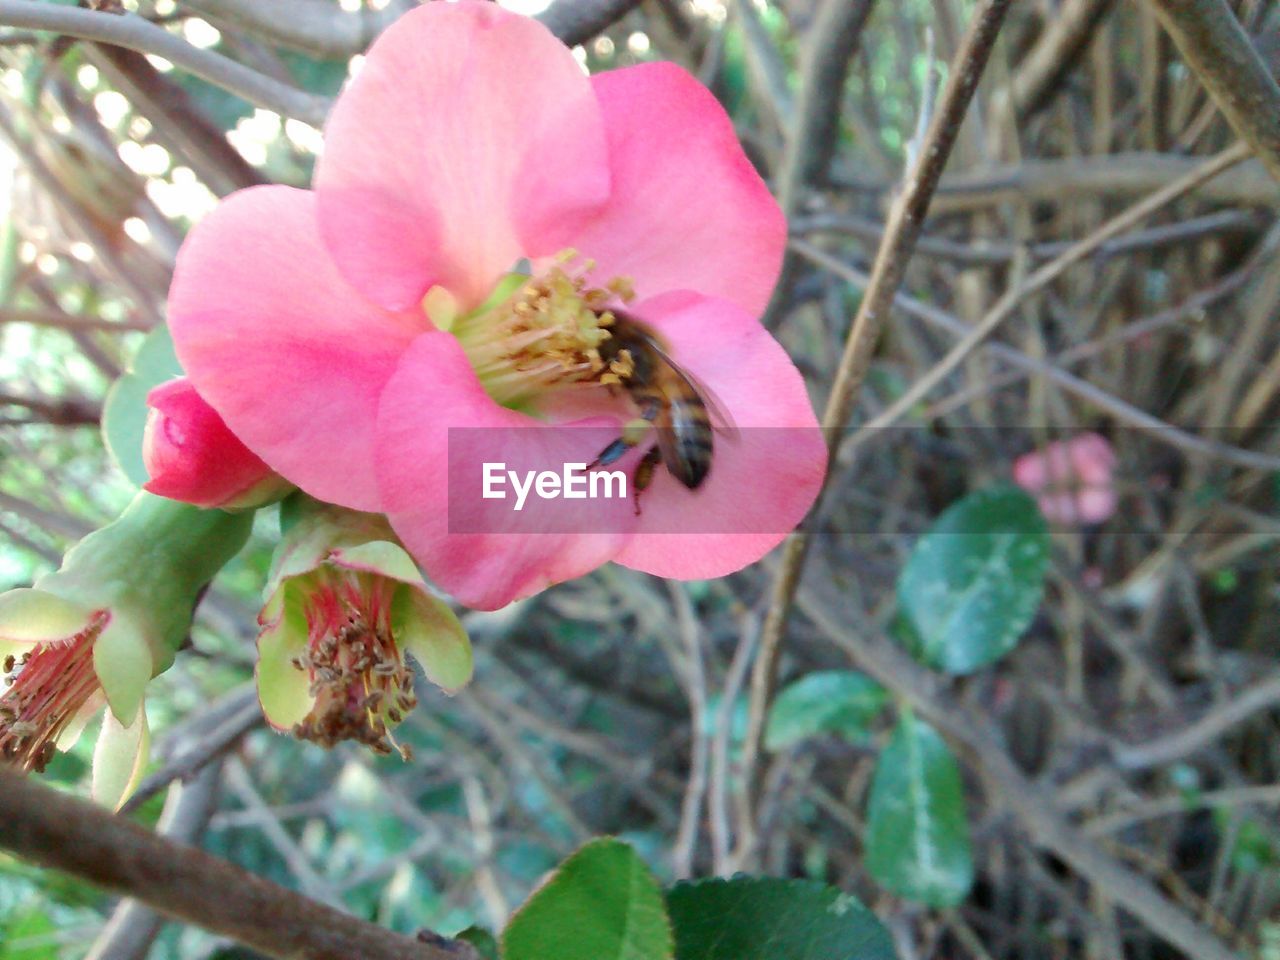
x,y
133,32
65,412
60,832
1174,746
905,223
1216,47
1060,181
133,927
577,21
695,683
1124,411
979,251
1067,33
1013,299
831,43
1035,808
203,749
67,321
317,27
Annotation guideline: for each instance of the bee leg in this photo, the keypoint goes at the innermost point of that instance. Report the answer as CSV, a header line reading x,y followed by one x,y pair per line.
x,y
643,475
611,454
633,434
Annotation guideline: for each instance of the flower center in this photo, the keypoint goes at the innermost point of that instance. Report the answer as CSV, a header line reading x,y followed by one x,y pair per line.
x,y
46,688
536,334
361,684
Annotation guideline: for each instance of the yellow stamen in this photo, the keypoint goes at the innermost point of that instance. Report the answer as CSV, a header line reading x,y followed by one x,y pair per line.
x,y
546,334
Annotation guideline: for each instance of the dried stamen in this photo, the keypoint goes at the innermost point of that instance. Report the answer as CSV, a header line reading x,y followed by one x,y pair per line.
x,y
358,676
44,690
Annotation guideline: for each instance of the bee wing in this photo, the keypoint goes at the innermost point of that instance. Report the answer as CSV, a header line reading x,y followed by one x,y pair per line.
x,y
721,421
720,418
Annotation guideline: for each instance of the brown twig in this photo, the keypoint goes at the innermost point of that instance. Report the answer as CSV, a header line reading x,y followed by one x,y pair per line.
x,y
831,42
905,222
133,927
1034,807
1174,746
1008,305
60,832
231,720
1216,47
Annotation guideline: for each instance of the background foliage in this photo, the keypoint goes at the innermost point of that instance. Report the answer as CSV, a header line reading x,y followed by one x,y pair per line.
x,y
1105,665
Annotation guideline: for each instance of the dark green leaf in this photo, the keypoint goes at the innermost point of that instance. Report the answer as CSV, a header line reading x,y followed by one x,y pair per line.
x,y
835,701
917,830
975,580
125,414
601,904
762,918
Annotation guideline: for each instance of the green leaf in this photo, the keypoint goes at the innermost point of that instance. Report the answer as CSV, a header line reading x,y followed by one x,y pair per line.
x,y
601,904
828,701
762,918
917,830
125,413
973,583
482,940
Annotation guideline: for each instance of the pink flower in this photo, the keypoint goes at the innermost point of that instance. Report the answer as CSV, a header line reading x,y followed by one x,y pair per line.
x,y
341,332
191,456
1071,479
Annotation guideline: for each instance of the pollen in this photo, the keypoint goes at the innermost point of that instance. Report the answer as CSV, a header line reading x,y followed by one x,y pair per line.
x,y
43,691
547,334
359,680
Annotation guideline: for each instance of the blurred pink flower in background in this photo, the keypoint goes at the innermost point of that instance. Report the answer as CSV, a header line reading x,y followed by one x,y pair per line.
x,y
191,456
1071,479
341,332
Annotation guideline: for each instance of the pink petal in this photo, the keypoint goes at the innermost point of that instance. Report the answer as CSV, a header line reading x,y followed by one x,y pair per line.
x,y
1072,478
435,389
470,138
687,211
764,481
274,339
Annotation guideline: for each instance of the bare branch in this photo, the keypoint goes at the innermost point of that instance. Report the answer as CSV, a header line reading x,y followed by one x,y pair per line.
x,y
1215,46
1034,807
317,27
577,21
1008,304
905,222
133,32
60,832
133,927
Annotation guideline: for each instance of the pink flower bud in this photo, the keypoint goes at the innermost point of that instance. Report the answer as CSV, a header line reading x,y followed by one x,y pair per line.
x,y
191,456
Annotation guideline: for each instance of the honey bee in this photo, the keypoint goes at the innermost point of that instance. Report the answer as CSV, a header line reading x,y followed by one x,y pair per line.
x,y
671,402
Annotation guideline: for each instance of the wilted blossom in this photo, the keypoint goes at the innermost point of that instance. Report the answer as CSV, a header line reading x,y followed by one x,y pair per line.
x,y
344,604
191,456
1071,479
341,332
99,628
